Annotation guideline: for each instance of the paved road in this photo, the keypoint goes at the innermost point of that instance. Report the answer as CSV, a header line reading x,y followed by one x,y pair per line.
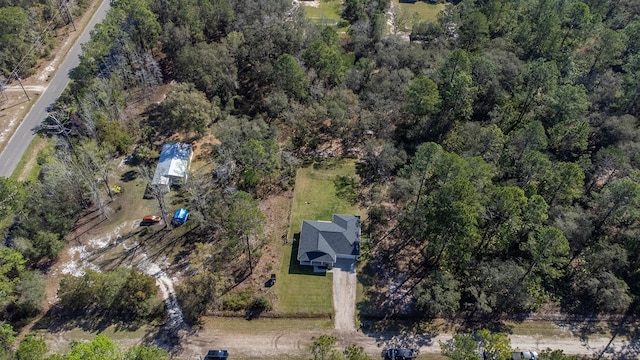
x,y
20,140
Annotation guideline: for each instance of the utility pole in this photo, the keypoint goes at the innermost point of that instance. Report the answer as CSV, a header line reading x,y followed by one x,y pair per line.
x,y
3,84
15,74
64,7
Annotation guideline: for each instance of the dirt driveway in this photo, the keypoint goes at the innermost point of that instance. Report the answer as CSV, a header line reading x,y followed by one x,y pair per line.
x,y
344,295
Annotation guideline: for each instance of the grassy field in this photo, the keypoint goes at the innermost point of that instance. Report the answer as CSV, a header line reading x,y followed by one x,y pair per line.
x,y
409,13
315,193
33,150
426,11
327,13
59,342
266,326
299,290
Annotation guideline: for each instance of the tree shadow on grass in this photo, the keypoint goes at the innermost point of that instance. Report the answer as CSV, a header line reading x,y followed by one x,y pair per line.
x,y
399,334
625,331
328,163
57,319
130,175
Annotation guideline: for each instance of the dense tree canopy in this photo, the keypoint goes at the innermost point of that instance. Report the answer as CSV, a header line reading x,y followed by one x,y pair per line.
x,y
499,145
28,32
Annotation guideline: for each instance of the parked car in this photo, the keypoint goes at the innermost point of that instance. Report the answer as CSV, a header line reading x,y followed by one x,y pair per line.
x,y
271,281
150,220
217,355
400,354
527,355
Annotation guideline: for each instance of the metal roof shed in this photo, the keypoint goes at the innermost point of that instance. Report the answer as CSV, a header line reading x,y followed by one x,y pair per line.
x,y
173,165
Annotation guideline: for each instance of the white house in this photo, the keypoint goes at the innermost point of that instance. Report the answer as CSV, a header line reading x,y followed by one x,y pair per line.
x,y
173,165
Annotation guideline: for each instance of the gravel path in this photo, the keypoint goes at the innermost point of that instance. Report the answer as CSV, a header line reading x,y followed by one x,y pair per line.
x,y
344,295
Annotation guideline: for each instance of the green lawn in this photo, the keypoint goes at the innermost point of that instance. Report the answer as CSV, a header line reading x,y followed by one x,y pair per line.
x,y
420,11
299,290
35,148
327,13
263,326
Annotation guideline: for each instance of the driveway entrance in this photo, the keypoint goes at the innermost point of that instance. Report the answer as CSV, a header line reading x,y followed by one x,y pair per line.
x,y
344,295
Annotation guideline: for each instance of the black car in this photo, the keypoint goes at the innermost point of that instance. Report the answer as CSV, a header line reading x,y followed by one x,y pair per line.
x,y
217,355
400,354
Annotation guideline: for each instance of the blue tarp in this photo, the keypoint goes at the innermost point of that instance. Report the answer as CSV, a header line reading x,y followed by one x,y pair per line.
x,y
181,216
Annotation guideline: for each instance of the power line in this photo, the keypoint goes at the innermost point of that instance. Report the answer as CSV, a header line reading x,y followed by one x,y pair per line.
x,y
38,40
37,43
3,84
63,3
23,89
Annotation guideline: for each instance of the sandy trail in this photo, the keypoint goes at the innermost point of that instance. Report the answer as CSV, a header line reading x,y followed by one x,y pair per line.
x,y
88,253
175,319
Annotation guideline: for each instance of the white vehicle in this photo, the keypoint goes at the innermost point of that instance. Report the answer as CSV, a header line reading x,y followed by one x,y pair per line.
x,y
528,355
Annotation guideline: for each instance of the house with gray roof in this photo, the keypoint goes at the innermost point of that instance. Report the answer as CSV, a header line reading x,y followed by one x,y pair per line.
x,y
322,243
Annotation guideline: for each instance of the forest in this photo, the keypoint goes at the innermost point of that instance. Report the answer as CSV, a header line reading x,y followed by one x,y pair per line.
x,y
497,146
28,31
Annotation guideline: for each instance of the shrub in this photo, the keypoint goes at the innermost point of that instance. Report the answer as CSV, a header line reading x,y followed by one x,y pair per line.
x,y
32,347
261,303
122,293
237,302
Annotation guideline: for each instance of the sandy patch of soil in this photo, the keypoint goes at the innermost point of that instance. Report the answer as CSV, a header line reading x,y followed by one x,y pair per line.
x,y
314,3
8,123
88,253
175,319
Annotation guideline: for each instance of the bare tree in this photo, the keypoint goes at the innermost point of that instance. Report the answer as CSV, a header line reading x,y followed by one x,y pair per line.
x,y
98,160
158,192
201,194
56,124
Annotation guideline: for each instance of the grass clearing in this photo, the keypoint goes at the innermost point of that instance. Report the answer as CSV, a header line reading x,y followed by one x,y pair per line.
x,y
555,330
129,204
125,338
299,289
326,13
266,325
315,193
28,168
417,12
